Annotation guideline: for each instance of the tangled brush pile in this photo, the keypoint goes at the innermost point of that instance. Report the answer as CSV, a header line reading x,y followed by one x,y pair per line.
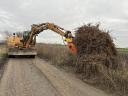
x,y
95,48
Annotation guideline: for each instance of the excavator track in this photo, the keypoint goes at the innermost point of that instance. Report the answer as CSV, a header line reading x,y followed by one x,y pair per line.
x,y
23,52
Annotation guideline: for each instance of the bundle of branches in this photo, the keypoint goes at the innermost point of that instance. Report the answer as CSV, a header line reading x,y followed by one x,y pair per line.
x,y
95,47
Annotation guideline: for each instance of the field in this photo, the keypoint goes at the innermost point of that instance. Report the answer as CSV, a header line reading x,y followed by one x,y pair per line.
x,y
113,81
123,50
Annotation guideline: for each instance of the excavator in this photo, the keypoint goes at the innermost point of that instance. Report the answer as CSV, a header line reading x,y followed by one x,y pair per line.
x,y
24,45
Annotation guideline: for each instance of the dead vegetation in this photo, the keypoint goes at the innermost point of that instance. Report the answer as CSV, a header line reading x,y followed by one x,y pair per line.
x,y
57,54
97,62
114,81
96,51
3,59
95,47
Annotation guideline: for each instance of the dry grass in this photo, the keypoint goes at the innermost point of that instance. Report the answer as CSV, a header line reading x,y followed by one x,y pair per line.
x,y
3,58
58,54
114,81
3,50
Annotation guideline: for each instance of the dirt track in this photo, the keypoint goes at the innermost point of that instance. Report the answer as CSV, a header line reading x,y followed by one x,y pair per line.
x,y
35,77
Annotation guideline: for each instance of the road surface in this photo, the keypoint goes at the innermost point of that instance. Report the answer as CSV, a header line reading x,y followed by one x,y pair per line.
x,y
35,77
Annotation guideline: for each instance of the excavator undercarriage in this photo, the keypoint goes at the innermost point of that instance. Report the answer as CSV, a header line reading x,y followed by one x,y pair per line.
x,y
25,52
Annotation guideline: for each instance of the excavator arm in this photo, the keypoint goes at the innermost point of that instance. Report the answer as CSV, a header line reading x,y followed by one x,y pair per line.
x,y
36,29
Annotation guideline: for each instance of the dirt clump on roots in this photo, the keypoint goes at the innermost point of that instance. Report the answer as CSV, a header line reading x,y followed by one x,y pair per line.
x,y
96,51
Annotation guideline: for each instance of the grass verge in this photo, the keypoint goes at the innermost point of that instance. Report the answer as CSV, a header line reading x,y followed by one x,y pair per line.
x,y
3,59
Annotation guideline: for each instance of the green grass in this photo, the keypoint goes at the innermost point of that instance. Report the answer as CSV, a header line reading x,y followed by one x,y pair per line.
x,y
122,50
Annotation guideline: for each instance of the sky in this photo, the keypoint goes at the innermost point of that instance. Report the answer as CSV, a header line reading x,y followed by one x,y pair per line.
x,y
19,15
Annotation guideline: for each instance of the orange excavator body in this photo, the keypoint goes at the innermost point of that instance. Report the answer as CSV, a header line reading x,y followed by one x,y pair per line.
x,y
19,46
72,48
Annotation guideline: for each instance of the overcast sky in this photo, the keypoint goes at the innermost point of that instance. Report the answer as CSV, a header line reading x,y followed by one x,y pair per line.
x,y
18,15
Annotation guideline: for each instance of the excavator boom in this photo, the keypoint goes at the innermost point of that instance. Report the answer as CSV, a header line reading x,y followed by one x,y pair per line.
x,y
36,29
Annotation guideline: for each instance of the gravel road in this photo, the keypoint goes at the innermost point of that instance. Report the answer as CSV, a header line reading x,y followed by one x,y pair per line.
x,y
35,77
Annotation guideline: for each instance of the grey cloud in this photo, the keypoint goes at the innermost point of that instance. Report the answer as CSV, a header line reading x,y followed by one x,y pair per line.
x,y
20,14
